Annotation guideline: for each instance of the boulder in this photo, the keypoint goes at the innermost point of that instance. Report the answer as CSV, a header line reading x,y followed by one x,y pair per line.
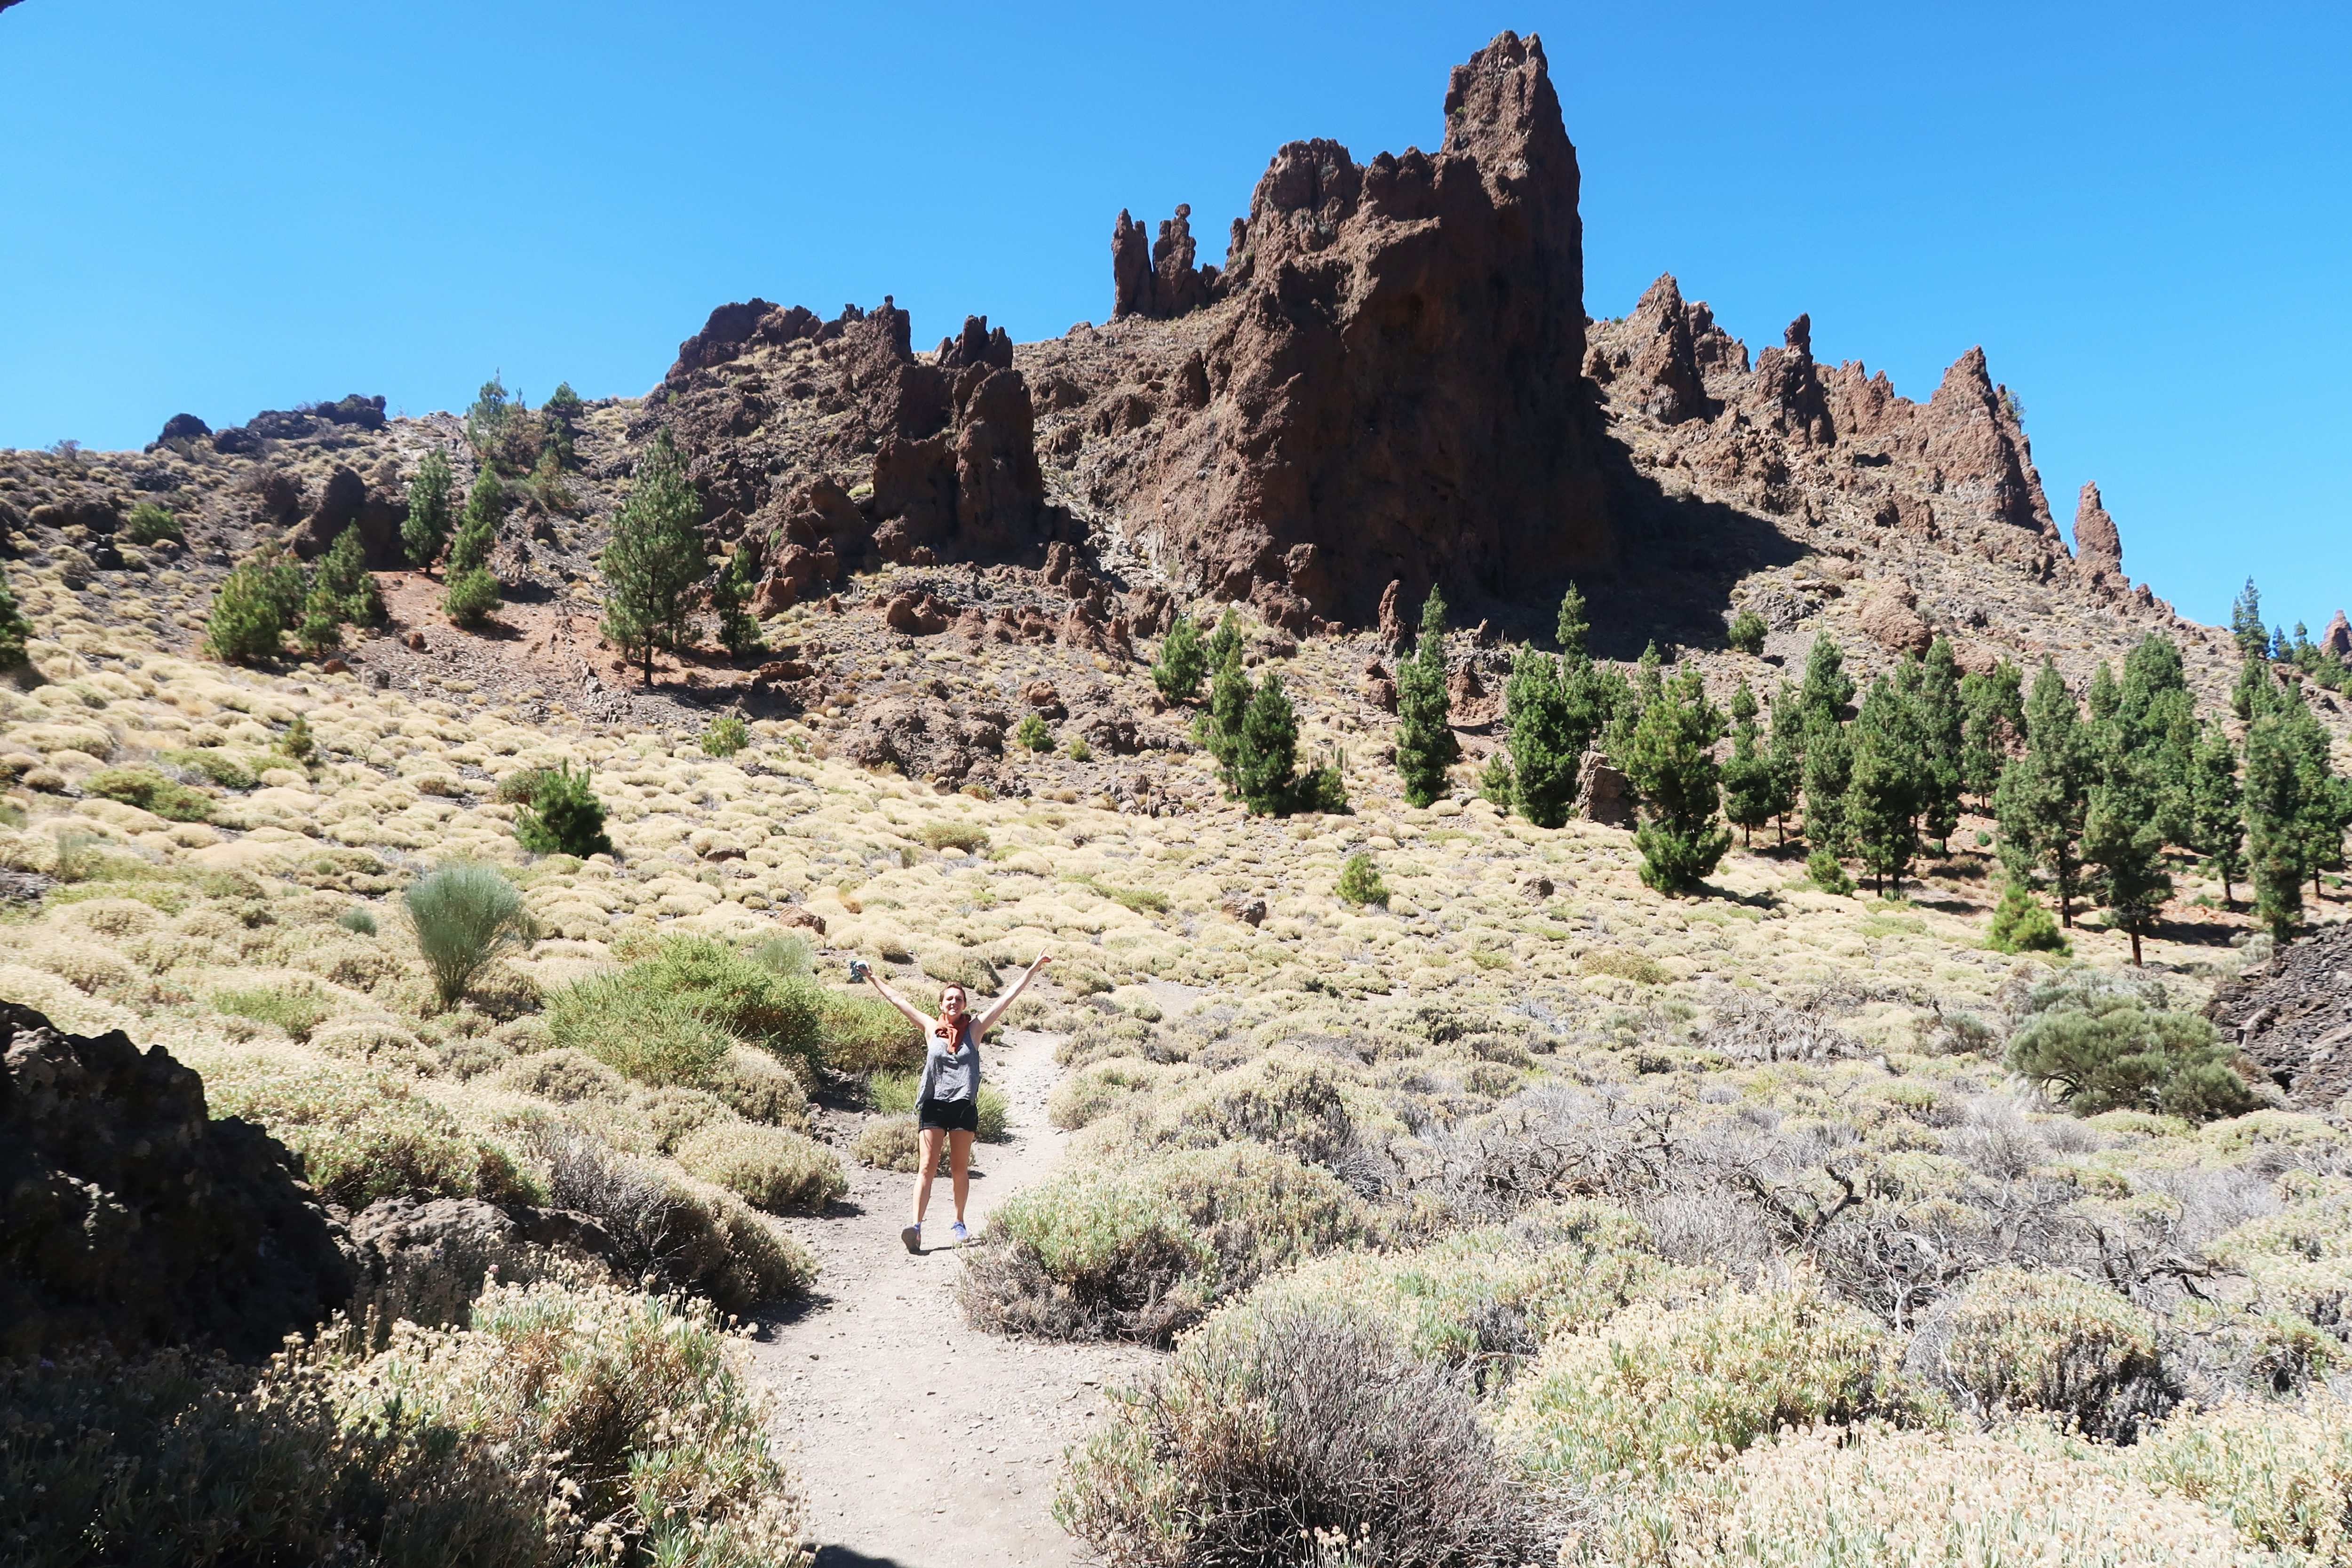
x,y
181,428
2337,638
128,1214
916,614
428,1260
1603,794
1242,907
1890,616
928,740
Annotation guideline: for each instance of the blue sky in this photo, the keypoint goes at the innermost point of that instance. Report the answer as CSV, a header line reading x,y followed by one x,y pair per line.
x,y
2141,212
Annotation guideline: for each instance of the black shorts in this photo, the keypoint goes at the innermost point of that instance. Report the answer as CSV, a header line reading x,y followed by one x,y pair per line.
x,y
953,1115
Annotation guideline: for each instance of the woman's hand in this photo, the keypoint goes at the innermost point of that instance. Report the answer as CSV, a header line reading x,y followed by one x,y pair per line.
x,y
1043,959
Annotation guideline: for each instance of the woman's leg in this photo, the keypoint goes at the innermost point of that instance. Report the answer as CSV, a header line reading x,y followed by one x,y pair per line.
x,y
927,1166
960,1168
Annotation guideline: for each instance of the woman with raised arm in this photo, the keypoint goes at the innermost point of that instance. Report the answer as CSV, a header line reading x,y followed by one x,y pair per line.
x,y
946,1102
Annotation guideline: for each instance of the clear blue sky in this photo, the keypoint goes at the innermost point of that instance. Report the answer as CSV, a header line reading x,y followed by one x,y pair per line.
x,y
2142,212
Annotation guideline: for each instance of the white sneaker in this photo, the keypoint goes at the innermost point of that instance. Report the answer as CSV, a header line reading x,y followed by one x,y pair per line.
x,y
961,1235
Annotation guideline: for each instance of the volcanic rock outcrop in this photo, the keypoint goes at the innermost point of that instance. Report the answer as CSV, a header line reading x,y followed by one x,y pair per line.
x,y
127,1214
1159,279
1393,383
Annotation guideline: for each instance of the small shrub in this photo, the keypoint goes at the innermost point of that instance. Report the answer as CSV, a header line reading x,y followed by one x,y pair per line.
x,y
782,1015
1077,750
767,1166
149,523
643,1033
1747,631
1359,881
471,596
759,1088
725,735
1638,967
358,921
962,836
706,1239
2016,1341
863,1034
891,1143
466,914
251,610
365,1134
295,1009
2100,1050
786,955
151,791
970,970
1144,1250
564,817
566,1076
1031,735
675,1114
1827,873
515,788
2020,924
295,744
1101,1089
1182,661
1301,1435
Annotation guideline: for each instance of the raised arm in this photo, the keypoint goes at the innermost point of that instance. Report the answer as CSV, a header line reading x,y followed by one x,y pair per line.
x,y
996,1008
920,1019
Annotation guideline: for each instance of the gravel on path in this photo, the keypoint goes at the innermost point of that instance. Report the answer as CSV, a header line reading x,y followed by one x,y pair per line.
x,y
924,1442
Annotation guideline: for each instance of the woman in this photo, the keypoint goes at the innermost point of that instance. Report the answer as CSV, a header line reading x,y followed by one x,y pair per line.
x,y
946,1102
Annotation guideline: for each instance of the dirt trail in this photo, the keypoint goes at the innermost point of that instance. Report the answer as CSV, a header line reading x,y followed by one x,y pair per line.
x,y
925,1443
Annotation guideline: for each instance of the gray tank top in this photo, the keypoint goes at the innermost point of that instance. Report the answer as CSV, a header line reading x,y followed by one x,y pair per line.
x,y
951,1074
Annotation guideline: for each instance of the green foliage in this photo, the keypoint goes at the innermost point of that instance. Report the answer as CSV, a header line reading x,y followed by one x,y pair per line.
x,y
366,1134
730,594
2097,1046
1219,727
655,559
2021,923
1425,744
1992,726
969,837
357,921
1495,783
426,527
471,591
770,1167
471,596
785,955
297,744
1145,1248
295,1009
564,817
2296,809
466,914
2217,808
1224,644
1031,735
2019,1339
639,1031
863,1034
253,607
1750,782
1266,760
1669,759
1827,873
894,1094
1556,709
150,523
1887,785
320,631
1938,720
1747,631
151,791
1360,880
1826,753
1077,750
2246,624
2122,839
1182,660
2045,794
344,585
725,735
15,631
1574,625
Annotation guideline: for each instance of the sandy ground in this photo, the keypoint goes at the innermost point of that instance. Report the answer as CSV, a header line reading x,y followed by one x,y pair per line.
x,y
925,1443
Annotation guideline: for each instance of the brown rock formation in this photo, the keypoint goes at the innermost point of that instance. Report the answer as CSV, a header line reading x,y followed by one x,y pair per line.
x,y
2337,638
126,1213
1395,382
1159,281
1890,615
2098,548
1665,369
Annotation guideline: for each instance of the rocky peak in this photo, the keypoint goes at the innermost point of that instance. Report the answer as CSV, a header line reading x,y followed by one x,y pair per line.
x,y
2098,548
2337,638
1788,392
1665,366
976,345
1159,281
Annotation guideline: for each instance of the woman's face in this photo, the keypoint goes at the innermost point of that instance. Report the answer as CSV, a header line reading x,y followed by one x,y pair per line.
x,y
952,1002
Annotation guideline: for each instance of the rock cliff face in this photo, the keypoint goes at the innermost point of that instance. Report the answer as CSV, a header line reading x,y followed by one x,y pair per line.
x,y
127,1214
1391,390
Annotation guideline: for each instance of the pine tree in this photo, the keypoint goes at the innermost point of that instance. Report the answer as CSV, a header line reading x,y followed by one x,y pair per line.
x,y
1788,755
655,559
1670,760
1425,746
1182,660
730,594
1829,755
1574,626
1218,728
1224,643
471,592
2216,808
2121,838
1992,725
1888,786
1937,720
15,631
2275,809
344,582
253,607
426,529
2246,623
2156,726
1749,792
1266,762
2045,792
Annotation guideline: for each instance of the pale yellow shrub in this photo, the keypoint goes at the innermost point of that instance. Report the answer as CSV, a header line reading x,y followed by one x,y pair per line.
x,y
767,1166
2020,1340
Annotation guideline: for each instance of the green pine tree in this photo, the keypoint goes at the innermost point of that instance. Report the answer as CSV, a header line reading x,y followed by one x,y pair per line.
x,y
426,529
2045,792
470,591
1266,762
253,608
564,817
731,596
1992,727
2216,808
1787,755
1939,720
2246,623
2156,726
344,581
1750,788
1425,746
1670,760
1574,625
1224,643
1822,697
1182,660
15,631
1888,786
2121,838
655,559
1545,746
1219,727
